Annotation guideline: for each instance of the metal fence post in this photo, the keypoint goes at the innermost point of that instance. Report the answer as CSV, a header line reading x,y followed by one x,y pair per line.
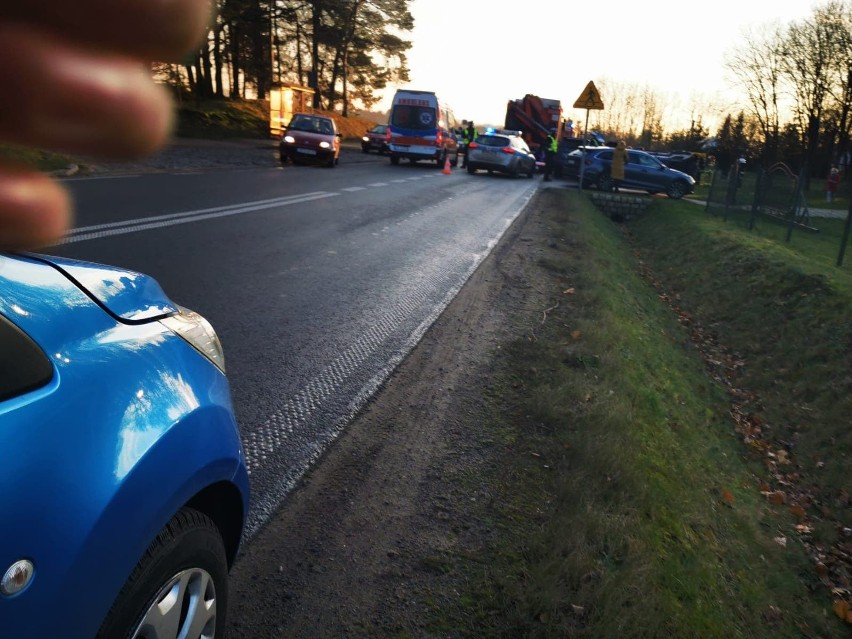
x,y
757,200
845,237
731,193
710,190
800,189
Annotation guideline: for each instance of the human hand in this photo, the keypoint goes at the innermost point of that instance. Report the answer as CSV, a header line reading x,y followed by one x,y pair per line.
x,y
76,79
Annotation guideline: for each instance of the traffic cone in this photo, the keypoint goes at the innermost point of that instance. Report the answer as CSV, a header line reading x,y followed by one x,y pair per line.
x,y
447,170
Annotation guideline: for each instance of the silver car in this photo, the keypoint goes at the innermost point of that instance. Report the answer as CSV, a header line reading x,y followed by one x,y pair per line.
x,y
501,151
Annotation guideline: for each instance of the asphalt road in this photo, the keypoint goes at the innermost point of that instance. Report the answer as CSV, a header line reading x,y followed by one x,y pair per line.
x,y
319,281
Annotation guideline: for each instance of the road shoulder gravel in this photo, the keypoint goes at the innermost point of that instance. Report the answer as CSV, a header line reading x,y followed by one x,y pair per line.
x,y
355,551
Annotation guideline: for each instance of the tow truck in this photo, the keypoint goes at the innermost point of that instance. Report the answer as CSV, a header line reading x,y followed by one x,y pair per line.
x,y
534,116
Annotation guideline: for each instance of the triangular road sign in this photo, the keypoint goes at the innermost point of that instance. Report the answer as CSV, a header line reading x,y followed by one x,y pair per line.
x,y
590,98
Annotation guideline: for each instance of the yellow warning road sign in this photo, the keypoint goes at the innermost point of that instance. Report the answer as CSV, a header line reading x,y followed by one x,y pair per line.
x,y
590,98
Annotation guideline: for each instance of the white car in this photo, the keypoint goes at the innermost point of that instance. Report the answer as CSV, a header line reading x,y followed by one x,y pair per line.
x,y
501,152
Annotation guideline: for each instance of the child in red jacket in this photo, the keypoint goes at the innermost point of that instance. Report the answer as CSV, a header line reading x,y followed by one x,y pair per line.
x,y
831,184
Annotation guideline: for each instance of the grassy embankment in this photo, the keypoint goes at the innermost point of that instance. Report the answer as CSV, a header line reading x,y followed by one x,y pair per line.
x,y
675,461
249,119
214,119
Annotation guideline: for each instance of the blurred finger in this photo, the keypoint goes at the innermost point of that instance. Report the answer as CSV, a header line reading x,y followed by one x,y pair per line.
x,y
78,101
161,30
34,211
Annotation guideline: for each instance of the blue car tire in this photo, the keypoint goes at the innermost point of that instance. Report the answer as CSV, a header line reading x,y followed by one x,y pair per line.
x,y
187,568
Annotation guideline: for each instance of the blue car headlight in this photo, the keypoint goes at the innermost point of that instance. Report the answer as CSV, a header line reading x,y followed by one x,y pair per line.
x,y
198,332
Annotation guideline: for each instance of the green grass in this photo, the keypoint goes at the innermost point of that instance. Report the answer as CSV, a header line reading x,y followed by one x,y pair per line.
x,y
814,197
214,119
42,160
641,513
785,308
218,119
221,119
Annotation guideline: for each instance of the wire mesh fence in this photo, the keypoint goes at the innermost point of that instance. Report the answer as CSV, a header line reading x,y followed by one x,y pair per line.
x,y
773,200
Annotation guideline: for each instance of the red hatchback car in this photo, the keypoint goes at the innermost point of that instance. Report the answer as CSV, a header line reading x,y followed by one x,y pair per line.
x,y
376,139
310,138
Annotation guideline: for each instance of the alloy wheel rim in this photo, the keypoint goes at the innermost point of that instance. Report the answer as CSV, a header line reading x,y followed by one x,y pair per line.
x,y
184,607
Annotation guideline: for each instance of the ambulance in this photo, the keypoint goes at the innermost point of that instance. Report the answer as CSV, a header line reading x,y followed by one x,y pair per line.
x,y
420,127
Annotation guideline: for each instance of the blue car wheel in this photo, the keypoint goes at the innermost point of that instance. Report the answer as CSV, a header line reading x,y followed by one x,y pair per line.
x,y
187,568
677,189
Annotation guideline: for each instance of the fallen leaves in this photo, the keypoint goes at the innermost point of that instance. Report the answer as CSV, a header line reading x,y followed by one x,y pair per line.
x,y
833,564
843,610
776,497
798,512
782,457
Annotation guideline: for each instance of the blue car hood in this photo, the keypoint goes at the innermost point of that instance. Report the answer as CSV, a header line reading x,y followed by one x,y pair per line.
x,y
129,296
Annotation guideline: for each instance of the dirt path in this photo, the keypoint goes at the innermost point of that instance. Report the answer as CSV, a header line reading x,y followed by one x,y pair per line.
x,y
355,550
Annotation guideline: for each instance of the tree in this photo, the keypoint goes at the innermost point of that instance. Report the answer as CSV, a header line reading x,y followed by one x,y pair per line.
x,y
731,142
652,119
841,92
634,113
758,65
689,139
343,49
620,120
358,43
243,39
814,49
364,27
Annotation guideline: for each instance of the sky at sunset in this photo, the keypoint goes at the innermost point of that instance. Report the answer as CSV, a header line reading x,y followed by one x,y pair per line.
x,y
478,54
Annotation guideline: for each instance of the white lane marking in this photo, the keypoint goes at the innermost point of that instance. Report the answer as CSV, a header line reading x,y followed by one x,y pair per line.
x,y
144,224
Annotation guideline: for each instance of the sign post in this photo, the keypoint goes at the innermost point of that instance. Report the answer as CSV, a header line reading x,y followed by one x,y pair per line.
x,y
589,99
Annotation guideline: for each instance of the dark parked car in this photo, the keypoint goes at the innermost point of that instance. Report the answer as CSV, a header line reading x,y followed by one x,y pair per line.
x,y
376,139
566,145
643,172
312,139
501,151
124,485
